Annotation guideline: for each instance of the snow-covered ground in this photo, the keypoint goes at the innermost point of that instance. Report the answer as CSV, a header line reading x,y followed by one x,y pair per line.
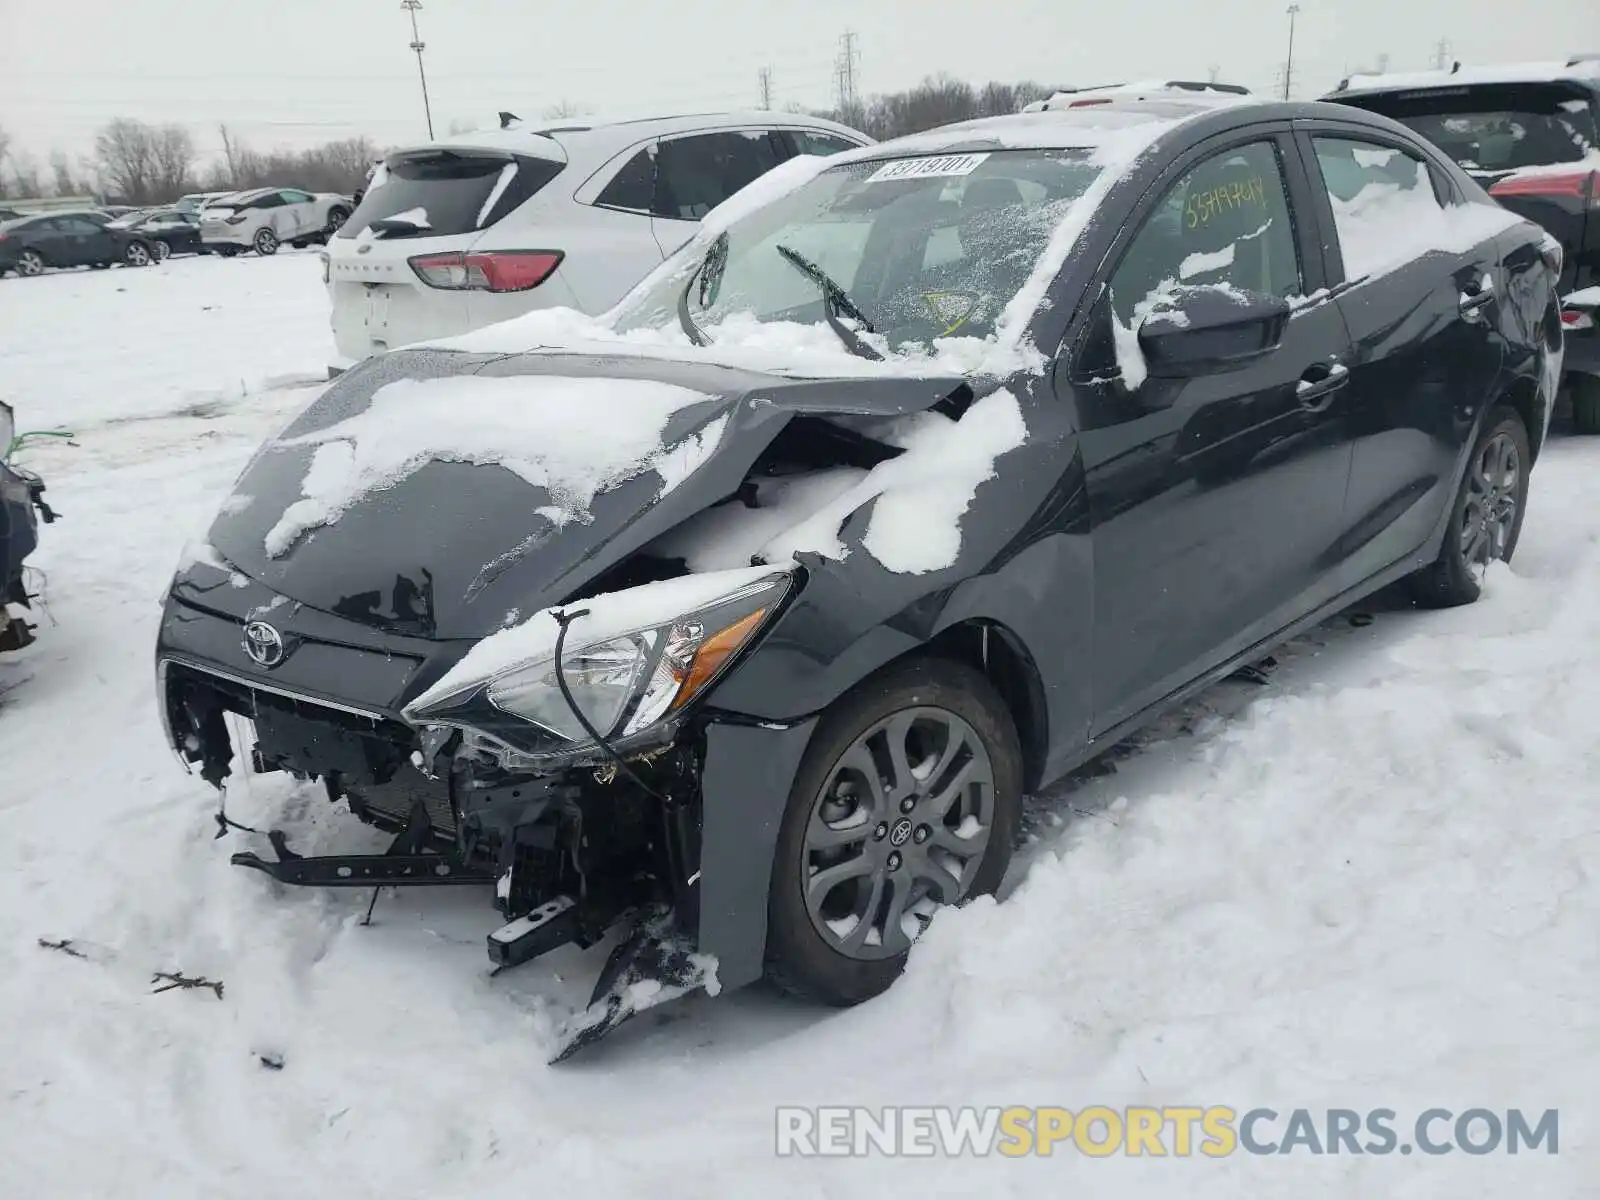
x,y
1370,883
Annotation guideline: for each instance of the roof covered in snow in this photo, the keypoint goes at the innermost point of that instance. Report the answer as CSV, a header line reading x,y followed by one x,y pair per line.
x,y
1583,68
550,139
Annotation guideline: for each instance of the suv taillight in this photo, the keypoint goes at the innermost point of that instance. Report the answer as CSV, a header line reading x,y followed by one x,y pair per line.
x,y
1582,184
489,271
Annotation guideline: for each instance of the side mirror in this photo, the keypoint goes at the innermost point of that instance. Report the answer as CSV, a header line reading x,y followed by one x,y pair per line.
x,y
1212,326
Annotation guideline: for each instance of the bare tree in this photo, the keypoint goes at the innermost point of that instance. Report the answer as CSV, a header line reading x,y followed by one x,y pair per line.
x,y
127,155
61,170
26,180
172,161
562,110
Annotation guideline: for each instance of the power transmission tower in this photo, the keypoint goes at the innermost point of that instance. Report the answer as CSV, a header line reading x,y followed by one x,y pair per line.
x,y
766,87
847,65
417,44
1215,71
1441,55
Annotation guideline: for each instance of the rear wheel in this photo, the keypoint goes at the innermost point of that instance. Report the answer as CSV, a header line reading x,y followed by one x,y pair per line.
x,y
336,219
266,243
1486,519
30,262
907,800
162,250
1586,403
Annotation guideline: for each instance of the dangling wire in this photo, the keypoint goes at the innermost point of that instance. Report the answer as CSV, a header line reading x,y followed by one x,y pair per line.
x,y
565,619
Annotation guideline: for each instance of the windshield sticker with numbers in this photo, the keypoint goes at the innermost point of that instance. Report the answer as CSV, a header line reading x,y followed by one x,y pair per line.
x,y
943,166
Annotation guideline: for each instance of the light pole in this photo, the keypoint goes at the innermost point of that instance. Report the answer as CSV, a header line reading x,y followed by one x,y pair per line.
x,y
1288,66
417,44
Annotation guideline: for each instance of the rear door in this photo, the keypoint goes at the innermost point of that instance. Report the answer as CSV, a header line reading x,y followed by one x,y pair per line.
x,y
1423,316
300,212
696,172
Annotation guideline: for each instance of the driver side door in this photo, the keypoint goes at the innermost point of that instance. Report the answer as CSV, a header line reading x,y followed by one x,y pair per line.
x,y
1216,490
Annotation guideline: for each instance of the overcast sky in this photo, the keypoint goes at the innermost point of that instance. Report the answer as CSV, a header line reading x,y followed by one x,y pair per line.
x,y
296,72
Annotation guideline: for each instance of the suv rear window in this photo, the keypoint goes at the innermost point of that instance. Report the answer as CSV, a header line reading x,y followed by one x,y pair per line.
x,y
456,192
1492,129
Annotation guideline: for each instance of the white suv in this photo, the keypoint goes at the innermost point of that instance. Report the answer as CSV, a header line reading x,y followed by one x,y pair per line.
x,y
482,227
263,218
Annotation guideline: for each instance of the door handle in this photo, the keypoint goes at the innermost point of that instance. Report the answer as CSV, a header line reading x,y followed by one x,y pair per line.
x,y
1472,303
1318,385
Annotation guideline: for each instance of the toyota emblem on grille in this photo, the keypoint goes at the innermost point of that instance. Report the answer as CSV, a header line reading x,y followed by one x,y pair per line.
x,y
263,644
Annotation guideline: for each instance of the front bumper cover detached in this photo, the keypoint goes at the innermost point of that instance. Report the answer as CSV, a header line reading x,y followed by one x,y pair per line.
x,y
712,937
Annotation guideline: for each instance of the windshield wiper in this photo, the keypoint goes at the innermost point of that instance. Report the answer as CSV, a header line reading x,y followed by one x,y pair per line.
x,y
715,260
835,300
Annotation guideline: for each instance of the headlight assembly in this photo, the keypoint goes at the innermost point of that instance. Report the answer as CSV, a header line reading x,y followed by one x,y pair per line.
x,y
632,662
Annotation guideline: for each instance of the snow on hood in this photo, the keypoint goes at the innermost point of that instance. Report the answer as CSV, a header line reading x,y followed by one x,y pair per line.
x,y
1117,138
917,498
606,616
545,429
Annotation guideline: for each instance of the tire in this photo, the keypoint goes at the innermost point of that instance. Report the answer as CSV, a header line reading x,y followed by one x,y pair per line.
x,y
163,250
99,266
30,263
298,245
911,703
227,251
265,243
137,254
1470,545
1586,403
337,216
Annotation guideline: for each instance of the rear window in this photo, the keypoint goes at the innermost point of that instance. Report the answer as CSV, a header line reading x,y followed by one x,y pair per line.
x,y
438,193
1496,129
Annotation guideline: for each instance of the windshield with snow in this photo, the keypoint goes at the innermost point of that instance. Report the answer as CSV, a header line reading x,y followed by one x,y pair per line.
x,y
904,251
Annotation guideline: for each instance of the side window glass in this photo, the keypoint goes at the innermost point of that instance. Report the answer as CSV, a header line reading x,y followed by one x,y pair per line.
x,y
296,197
1383,202
807,141
633,186
695,174
1225,222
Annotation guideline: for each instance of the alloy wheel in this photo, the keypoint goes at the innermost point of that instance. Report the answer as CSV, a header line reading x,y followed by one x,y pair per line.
x,y
136,255
899,830
266,242
1490,512
30,263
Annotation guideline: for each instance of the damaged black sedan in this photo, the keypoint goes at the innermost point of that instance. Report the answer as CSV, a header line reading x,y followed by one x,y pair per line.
x,y
745,616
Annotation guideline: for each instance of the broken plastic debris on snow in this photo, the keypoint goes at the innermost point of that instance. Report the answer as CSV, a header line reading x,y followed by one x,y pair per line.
x,y
541,428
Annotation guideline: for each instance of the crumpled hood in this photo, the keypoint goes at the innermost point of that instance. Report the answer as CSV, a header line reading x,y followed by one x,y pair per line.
x,y
535,485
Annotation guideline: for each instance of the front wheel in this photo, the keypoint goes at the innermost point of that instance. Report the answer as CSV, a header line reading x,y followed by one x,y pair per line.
x,y
266,243
30,263
336,219
1486,518
907,800
136,255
